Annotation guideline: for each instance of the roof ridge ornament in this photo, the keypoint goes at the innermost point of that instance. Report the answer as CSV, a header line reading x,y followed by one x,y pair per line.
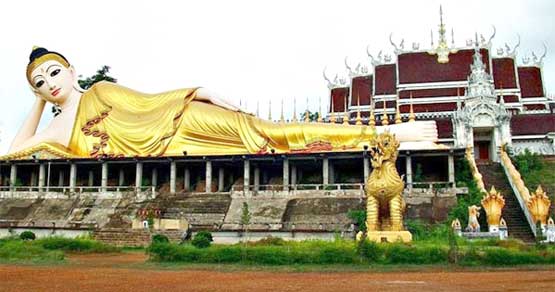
x,y
442,50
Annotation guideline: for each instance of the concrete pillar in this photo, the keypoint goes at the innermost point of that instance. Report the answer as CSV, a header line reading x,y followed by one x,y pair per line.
x,y
173,170
408,171
61,178
104,177
221,180
13,176
451,168
138,175
366,167
42,176
246,175
208,176
256,178
285,174
72,177
331,172
91,178
121,178
33,181
325,171
187,179
155,177
293,174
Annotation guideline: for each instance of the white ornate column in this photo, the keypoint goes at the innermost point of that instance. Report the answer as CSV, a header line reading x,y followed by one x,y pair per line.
x,y
173,170
187,179
285,174
104,177
13,176
325,171
221,179
208,176
72,176
408,170
42,176
138,175
246,175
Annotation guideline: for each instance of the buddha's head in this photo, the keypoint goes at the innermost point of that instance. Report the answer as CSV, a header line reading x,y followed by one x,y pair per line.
x,y
50,75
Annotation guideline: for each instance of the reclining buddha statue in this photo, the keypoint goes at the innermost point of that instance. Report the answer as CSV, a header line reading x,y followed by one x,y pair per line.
x,y
109,120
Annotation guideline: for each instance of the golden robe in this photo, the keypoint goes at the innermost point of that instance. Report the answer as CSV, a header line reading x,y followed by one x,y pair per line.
x,y
114,121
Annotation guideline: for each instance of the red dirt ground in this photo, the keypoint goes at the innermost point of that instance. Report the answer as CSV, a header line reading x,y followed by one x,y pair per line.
x,y
124,272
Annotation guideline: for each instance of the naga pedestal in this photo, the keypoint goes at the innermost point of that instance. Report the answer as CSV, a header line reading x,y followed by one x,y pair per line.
x,y
389,236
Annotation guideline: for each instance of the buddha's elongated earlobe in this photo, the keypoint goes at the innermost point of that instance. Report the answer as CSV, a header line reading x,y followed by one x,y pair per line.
x,y
76,86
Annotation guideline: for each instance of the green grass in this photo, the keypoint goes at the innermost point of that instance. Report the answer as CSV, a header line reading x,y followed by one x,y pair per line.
x,y
342,252
14,250
48,249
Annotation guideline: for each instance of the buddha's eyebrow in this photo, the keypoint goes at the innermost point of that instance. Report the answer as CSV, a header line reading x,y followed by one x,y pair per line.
x,y
50,66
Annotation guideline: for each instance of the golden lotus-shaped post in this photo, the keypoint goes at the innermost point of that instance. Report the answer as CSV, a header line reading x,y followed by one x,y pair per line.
x,y
384,192
456,226
493,203
538,204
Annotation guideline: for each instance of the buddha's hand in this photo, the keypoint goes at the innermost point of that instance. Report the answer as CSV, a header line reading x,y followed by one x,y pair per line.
x,y
417,131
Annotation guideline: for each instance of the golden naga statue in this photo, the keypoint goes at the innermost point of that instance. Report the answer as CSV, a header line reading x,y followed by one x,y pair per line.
x,y
109,120
384,188
493,203
539,204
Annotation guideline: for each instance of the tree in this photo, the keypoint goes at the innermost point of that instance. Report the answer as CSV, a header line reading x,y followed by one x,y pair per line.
x,y
101,74
245,221
312,116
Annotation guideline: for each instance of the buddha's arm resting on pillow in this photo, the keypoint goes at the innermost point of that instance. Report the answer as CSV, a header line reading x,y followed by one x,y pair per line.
x,y
29,127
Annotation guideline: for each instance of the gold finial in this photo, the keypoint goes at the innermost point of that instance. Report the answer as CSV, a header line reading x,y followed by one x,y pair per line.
x,y
345,115
270,110
282,117
398,119
412,117
372,119
319,120
294,109
385,118
359,118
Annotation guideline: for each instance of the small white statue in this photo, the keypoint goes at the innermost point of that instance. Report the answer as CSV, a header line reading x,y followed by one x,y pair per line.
x,y
473,214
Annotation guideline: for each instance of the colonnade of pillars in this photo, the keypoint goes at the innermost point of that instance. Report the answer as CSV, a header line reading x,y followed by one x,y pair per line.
x,y
289,174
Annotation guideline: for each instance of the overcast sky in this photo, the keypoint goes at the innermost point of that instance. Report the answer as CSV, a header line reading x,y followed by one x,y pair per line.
x,y
244,50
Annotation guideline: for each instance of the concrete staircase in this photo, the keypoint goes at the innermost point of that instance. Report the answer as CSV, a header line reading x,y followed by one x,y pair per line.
x,y
518,227
202,211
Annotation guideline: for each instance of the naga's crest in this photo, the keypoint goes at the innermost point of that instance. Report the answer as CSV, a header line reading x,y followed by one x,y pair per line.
x,y
383,148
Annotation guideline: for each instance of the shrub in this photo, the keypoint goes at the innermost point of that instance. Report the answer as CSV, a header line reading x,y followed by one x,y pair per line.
x,y
269,240
27,235
201,240
369,250
75,245
160,238
359,216
206,234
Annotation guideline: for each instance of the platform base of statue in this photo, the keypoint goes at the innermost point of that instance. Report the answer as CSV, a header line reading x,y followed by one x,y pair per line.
x,y
389,236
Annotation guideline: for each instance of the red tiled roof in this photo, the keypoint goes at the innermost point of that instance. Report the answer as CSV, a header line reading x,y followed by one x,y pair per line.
x,y
430,107
504,73
444,128
423,67
530,79
508,98
386,79
538,124
339,97
388,104
535,106
432,92
362,88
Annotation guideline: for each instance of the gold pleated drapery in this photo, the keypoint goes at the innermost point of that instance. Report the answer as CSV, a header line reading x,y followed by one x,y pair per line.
x,y
116,121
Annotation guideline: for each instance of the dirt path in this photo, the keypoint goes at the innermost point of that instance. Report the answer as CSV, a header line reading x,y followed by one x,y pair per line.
x,y
124,272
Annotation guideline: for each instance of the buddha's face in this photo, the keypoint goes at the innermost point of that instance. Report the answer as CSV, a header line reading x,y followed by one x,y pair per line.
x,y
53,81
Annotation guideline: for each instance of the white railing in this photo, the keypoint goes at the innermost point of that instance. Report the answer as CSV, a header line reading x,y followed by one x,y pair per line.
x,y
77,189
298,187
519,195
